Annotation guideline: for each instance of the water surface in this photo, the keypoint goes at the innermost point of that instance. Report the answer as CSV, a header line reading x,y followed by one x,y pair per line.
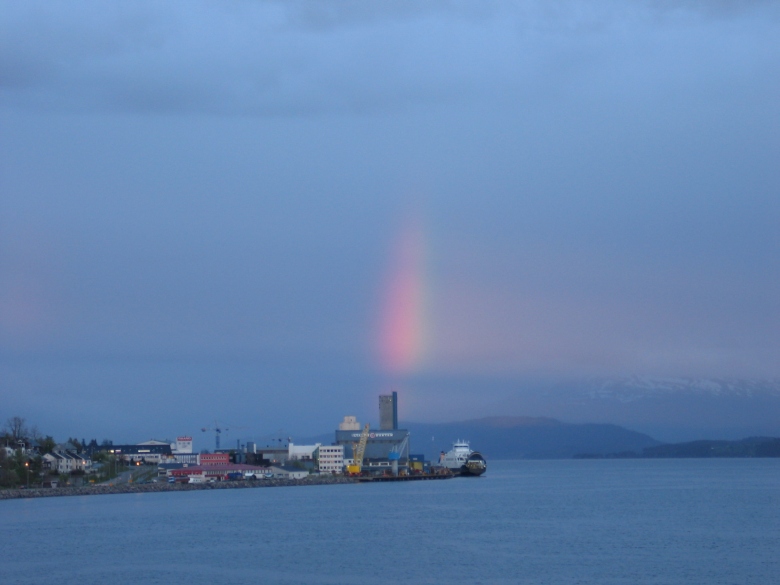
x,y
557,522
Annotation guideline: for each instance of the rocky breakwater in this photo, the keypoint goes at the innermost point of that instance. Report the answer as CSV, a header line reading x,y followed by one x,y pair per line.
x,y
133,488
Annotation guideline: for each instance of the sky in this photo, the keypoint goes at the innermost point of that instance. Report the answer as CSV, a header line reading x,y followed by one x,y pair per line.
x,y
266,214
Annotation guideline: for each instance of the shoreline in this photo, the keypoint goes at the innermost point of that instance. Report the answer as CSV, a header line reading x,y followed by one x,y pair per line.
x,y
130,488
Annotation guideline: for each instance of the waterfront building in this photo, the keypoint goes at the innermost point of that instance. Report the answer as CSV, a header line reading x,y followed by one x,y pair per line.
x,y
330,458
218,471
301,452
277,456
148,451
290,472
378,446
183,445
226,471
214,459
184,458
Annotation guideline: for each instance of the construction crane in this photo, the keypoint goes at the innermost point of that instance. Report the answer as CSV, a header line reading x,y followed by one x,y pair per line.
x,y
218,428
396,452
358,451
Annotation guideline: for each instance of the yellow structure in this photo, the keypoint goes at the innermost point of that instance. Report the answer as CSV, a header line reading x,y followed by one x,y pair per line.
x,y
358,451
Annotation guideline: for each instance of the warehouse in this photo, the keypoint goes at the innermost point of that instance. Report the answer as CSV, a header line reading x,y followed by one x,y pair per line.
x,y
225,471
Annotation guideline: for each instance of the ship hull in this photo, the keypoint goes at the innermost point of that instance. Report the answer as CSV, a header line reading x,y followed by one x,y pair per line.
x,y
463,461
475,466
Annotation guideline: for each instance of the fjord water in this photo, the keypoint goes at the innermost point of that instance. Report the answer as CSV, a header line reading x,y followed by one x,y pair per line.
x,y
556,522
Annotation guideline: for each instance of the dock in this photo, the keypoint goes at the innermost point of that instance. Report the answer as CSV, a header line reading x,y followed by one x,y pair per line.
x,y
413,477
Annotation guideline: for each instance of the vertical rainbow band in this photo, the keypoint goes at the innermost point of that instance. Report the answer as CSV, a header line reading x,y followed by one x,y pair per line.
x,y
402,331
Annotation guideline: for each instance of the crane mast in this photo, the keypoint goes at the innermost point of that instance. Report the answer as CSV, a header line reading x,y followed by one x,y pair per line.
x,y
217,428
359,451
397,452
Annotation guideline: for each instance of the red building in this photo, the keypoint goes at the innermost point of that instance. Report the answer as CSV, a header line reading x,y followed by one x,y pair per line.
x,y
214,459
218,471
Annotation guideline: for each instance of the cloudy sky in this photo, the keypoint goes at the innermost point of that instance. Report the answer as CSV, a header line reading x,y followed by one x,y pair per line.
x,y
268,213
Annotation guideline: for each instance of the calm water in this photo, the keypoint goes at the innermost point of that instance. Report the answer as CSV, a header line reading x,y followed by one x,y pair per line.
x,y
557,522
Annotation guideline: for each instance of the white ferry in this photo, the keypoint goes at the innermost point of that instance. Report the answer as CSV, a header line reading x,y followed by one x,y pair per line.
x,y
462,460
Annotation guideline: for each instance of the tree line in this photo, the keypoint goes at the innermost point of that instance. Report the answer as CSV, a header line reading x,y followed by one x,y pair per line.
x,y
17,465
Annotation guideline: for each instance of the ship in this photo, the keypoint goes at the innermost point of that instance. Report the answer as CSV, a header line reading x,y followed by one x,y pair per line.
x,y
462,460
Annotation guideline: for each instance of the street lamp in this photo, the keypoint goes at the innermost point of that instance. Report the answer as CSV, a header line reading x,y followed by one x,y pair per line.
x,y
27,469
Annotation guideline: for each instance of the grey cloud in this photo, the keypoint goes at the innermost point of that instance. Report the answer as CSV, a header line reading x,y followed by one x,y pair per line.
x,y
298,58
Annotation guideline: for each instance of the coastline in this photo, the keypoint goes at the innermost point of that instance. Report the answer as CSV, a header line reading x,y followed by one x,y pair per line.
x,y
100,490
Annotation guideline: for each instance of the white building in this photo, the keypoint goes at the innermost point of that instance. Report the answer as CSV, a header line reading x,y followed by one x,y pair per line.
x,y
152,443
151,451
182,445
330,458
301,452
67,461
287,472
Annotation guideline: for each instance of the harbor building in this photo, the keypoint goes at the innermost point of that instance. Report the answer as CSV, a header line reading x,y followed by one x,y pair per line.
x,y
205,459
181,451
384,447
301,452
148,451
182,445
330,458
378,447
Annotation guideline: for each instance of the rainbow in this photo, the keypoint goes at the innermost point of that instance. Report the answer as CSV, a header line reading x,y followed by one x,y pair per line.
x,y
401,330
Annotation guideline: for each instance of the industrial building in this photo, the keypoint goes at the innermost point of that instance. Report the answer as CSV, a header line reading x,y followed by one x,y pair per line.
x,y
226,471
301,452
156,451
217,472
388,412
382,446
181,451
183,444
148,451
213,459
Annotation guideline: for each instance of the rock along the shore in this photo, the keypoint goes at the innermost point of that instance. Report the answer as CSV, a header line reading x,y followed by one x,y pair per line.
x,y
105,489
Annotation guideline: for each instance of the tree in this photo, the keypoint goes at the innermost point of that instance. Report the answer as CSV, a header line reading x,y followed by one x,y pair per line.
x,y
47,445
17,463
36,466
16,428
100,456
8,477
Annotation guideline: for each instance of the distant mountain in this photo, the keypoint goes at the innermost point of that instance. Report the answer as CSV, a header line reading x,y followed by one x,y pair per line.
x,y
751,447
637,387
526,438
670,409
515,437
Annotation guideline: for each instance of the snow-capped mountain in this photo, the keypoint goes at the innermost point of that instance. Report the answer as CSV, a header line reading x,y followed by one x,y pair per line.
x,y
636,387
669,409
